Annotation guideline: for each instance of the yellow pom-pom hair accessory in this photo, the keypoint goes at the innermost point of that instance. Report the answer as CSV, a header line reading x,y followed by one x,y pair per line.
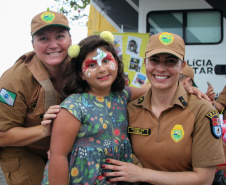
x,y
73,50
107,36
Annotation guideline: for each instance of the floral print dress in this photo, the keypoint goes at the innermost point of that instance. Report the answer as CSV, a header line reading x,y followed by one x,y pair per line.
x,y
102,135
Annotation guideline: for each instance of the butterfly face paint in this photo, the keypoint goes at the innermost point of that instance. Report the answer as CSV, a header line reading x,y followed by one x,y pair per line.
x,y
101,58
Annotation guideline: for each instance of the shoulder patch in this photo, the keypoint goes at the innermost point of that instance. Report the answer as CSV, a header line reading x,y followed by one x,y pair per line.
x,y
213,114
184,103
7,97
141,99
215,125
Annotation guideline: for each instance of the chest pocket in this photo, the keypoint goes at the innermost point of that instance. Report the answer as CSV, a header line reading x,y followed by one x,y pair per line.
x,y
36,106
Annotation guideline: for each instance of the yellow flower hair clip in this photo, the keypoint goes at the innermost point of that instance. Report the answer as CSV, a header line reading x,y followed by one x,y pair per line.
x,y
107,36
73,50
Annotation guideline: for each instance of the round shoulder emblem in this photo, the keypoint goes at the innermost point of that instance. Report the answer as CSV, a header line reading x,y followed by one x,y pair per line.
x,y
166,38
48,17
177,133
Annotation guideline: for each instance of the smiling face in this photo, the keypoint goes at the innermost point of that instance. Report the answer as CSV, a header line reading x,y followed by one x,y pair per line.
x,y
51,45
163,70
99,69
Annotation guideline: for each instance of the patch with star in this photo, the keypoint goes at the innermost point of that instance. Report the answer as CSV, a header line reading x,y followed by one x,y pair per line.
x,y
215,125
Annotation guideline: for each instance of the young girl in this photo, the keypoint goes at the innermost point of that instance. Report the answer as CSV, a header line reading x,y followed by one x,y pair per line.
x,y
91,125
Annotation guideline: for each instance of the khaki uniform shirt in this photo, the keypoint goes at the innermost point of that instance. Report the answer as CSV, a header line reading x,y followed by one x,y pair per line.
x,y
22,98
181,138
222,99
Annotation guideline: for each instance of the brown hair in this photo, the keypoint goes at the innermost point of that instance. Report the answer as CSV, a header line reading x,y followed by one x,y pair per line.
x,y
73,82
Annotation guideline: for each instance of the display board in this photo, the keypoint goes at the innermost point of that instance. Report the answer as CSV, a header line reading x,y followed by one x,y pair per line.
x,y
131,48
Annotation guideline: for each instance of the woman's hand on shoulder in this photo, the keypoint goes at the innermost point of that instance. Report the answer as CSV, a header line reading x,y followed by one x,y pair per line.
x,y
50,114
48,118
197,92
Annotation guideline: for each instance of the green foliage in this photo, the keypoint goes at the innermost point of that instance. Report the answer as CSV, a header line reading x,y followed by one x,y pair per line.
x,y
74,9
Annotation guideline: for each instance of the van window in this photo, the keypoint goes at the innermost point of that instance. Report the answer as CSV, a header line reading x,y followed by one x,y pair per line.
x,y
194,26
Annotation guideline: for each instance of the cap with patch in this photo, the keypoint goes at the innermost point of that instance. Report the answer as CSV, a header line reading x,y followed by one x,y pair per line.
x,y
188,71
165,42
48,18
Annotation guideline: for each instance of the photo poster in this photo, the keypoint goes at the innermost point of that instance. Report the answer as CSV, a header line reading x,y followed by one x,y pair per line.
x,y
131,49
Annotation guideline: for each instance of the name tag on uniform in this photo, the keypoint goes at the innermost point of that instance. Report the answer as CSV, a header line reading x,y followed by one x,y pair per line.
x,y
139,131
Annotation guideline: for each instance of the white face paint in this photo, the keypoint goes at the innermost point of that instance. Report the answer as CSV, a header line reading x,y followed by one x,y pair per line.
x,y
112,65
100,56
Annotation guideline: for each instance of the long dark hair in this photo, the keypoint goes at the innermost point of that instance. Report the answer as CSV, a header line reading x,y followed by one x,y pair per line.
x,y
73,83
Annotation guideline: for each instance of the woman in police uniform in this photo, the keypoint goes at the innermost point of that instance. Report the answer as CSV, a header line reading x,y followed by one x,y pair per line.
x,y
175,135
27,90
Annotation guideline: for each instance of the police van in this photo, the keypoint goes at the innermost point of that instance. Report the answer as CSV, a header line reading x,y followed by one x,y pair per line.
x,y
201,23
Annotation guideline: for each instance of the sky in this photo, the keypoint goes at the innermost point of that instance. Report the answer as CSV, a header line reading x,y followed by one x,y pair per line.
x,y
15,19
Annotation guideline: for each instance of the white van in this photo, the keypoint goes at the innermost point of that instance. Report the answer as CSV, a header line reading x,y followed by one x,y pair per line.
x,y
201,23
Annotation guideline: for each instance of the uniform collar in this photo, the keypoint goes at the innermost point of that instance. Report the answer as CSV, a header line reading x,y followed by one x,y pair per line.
x,y
180,98
31,57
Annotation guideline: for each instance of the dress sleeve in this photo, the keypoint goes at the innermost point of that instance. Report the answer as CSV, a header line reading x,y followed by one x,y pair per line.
x,y
73,104
126,93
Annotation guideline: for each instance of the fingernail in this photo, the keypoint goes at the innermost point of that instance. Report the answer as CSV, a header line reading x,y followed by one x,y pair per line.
x,y
103,166
107,160
104,174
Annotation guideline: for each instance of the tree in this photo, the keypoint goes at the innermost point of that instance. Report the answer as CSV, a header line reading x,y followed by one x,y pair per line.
x,y
74,9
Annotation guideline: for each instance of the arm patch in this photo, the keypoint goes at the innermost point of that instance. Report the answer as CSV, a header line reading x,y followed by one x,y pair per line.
x,y
215,125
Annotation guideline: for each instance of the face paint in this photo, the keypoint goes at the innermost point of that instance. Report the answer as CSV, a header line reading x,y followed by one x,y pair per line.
x,y
91,64
112,61
86,65
100,56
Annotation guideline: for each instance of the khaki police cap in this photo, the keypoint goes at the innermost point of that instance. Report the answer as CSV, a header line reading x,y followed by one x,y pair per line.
x,y
165,42
48,18
189,72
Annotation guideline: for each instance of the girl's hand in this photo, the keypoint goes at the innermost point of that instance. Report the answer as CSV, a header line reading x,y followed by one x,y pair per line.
x,y
197,92
123,171
48,117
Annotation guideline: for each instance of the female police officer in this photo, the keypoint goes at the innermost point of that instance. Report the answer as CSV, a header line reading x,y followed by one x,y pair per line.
x,y
175,135
27,89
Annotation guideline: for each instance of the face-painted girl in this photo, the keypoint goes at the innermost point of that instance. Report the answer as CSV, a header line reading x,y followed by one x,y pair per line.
x,y
100,70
